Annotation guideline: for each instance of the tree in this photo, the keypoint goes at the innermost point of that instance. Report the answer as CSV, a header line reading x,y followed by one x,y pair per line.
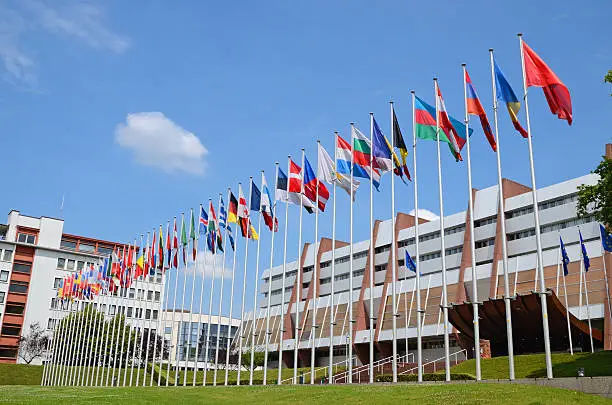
x,y
34,344
596,199
258,359
608,78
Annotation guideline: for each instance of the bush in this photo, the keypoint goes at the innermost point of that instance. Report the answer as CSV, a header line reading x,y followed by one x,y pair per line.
x,y
426,377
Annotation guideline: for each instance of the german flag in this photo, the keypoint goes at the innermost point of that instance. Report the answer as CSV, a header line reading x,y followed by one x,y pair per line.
x,y
232,216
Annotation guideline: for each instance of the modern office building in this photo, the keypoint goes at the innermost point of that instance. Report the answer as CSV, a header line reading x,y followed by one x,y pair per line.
x,y
35,255
558,217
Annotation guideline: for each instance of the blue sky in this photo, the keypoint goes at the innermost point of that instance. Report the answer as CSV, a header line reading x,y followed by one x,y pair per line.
x,y
137,111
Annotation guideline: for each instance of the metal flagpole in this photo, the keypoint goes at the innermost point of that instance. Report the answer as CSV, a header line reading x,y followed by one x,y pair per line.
x,y
507,295
298,295
200,324
67,330
193,284
409,314
231,308
315,278
244,278
102,306
50,352
180,320
146,279
68,352
219,312
119,349
393,252
160,332
586,294
115,347
178,331
603,260
86,335
86,365
332,315
416,239
165,302
254,322
52,362
210,301
350,293
268,331
106,328
281,325
64,370
426,300
567,311
136,298
125,326
76,343
442,241
536,215
372,247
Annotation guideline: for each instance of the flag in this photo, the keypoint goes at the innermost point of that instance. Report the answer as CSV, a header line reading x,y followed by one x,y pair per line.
x,y
449,126
585,256
203,221
175,246
140,266
398,142
230,236
362,153
223,221
474,107
243,217
294,194
507,95
214,233
410,264
232,217
313,187
565,260
326,170
255,198
169,245
606,239
538,74
266,206
282,192
160,249
381,152
194,237
184,240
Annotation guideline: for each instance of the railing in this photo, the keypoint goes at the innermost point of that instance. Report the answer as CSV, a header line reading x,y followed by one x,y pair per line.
x,y
378,365
335,367
434,362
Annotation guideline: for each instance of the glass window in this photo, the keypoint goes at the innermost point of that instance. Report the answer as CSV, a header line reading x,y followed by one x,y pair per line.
x,y
26,238
113,309
22,268
8,352
140,294
87,248
104,250
15,309
149,295
132,293
155,314
157,296
11,330
57,283
2,294
80,265
68,244
51,323
129,312
20,287
4,276
148,314
61,263
70,264
7,255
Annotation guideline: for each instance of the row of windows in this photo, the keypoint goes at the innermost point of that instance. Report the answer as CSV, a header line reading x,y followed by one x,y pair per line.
x,y
550,228
382,249
4,275
430,256
6,255
542,205
405,242
484,243
85,247
485,221
26,238
279,291
2,295
454,250
70,264
429,236
454,229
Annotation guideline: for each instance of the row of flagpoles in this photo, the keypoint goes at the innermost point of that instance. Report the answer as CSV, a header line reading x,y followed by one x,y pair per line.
x,y
363,157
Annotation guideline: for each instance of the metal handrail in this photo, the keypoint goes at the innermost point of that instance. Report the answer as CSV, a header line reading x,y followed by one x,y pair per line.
x,y
377,364
321,368
411,371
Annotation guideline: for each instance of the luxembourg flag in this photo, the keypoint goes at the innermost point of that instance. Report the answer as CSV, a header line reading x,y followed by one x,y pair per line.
x,y
313,187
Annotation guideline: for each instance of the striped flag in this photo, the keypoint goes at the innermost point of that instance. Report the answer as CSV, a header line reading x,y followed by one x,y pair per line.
x,y
474,107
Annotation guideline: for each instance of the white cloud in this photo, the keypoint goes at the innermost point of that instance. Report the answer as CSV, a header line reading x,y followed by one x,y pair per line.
x,y
425,214
206,266
83,20
157,141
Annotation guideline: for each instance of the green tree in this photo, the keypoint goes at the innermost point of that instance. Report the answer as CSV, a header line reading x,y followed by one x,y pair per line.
x,y
608,78
258,359
596,199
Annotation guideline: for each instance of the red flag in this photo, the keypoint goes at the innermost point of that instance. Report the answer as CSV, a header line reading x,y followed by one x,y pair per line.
x,y
538,74
175,246
295,181
474,107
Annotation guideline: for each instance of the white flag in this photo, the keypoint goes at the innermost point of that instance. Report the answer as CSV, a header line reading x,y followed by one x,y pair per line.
x,y
327,172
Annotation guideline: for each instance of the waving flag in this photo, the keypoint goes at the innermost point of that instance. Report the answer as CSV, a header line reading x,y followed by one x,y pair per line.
x,y
381,151
585,256
214,232
266,206
203,221
255,197
193,235
244,220
538,74
362,153
232,217
294,194
184,240
398,142
507,95
449,126
326,170
169,245
606,239
223,221
160,249
313,187
474,107
565,260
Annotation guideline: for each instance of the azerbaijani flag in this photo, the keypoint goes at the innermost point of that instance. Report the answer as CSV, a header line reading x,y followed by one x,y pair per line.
x,y
474,107
507,95
362,154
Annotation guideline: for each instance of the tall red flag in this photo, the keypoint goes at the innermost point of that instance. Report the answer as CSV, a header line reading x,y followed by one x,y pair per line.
x,y
474,107
538,74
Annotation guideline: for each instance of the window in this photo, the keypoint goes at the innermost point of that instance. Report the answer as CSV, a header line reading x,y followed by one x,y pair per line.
x,y
4,276
22,268
131,293
8,352
68,244
57,283
404,243
80,265
325,264
484,243
148,314
20,287
157,296
87,248
105,250
521,234
485,221
341,277
430,256
61,263
454,229
343,259
380,267
325,280
7,255
361,254
113,309
155,314
357,273
140,294
429,236
129,312
168,330
26,238
2,294
51,323
382,249
565,224
15,309
454,250
11,329
149,295
308,268
305,285
70,264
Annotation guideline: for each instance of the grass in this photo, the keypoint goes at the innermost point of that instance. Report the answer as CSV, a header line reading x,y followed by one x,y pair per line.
x,y
533,365
380,394
20,374
257,375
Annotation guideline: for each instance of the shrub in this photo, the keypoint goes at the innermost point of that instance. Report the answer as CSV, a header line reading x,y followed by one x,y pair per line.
x,y
426,377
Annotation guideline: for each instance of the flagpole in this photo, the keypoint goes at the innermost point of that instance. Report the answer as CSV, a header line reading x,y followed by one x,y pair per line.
x,y
507,295
298,294
443,245
131,281
193,279
78,341
202,283
64,370
393,251
281,325
549,371
146,278
108,343
231,308
119,349
268,332
129,327
180,320
95,333
244,279
603,260
371,253
332,315
172,349
586,294
219,312
57,374
350,293
161,328
48,367
100,333
52,363
68,354
254,322
315,277
167,301
416,239
567,311
212,294
86,335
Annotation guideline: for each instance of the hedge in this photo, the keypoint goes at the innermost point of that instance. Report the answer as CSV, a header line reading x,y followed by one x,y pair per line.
x,y
426,377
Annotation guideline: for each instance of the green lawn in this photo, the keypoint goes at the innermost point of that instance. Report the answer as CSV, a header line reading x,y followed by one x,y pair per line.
x,y
378,394
257,375
533,365
20,374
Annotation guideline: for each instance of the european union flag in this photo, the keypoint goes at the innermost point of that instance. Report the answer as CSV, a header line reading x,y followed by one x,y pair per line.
x,y
410,264
606,239
585,256
564,257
